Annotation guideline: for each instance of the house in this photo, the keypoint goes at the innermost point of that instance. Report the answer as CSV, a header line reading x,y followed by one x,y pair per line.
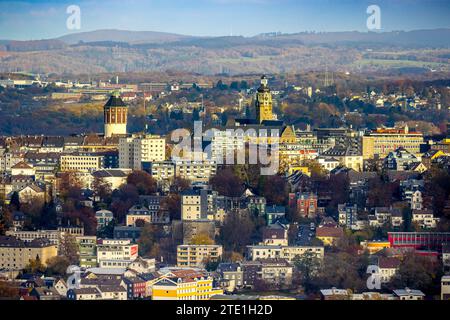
x,y
43,293
306,204
445,288
277,236
141,265
22,169
114,292
31,193
274,214
396,217
388,268
61,287
276,271
401,160
138,212
348,215
232,276
84,294
18,219
329,235
136,287
424,218
409,294
104,217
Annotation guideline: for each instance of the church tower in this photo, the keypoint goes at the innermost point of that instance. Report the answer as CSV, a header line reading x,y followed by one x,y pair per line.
x,y
115,116
264,102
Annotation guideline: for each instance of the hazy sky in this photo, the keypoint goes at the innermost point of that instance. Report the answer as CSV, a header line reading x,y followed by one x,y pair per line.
x,y
33,19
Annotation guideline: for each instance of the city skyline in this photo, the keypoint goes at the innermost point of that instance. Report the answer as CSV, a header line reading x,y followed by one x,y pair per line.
x,y
35,20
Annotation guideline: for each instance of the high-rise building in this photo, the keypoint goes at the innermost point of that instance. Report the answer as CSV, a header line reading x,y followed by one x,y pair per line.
x,y
264,101
116,116
139,148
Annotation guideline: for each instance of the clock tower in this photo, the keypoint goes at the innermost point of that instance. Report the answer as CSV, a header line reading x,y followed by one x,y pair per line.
x,y
264,102
115,116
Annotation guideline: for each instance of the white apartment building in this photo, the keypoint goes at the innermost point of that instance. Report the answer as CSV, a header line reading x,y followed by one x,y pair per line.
x,y
424,218
116,253
282,252
194,171
141,148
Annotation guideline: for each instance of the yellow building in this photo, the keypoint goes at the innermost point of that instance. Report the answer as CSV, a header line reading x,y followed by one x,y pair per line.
x,y
375,246
184,284
81,163
16,254
384,140
196,255
264,102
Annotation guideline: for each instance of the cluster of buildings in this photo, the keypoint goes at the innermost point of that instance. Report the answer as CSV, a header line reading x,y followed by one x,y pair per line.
x,y
111,268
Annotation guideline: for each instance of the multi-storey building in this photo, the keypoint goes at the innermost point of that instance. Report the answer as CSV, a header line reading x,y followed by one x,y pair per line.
x,y
197,255
384,140
141,148
424,218
282,252
81,162
194,171
16,254
116,253
306,204
87,251
419,240
196,204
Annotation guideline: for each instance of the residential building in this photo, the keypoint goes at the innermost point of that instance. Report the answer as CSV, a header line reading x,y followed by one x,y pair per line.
x,y
445,288
87,250
400,160
258,252
116,253
347,156
195,171
139,149
306,204
195,255
388,267
409,294
16,254
329,235
276,271
424,218
275,236
232,276
104,217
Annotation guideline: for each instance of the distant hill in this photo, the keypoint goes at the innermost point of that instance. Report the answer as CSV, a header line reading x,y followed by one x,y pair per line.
x,y
122,36
142,51
417,38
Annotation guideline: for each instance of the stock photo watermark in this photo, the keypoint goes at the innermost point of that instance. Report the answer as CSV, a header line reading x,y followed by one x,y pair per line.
x,y
374,19
74,279
374,280
73,22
